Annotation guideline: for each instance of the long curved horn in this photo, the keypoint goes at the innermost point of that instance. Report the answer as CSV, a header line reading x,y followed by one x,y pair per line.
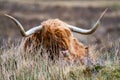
x,y
19,25
89,31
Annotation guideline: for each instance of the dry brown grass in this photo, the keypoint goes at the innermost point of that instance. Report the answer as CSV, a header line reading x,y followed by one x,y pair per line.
x,y
16,66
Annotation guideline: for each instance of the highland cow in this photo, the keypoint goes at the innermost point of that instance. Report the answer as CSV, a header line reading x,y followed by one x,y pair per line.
x,y
56,37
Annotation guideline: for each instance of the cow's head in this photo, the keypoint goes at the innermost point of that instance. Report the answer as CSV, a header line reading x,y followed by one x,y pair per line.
x,y
56,37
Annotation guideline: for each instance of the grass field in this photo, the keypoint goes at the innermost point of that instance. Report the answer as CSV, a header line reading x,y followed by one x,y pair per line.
x,y
16,66
104,43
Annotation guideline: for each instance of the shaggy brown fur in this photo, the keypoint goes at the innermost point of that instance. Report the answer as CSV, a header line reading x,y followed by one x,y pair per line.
x,y
55,36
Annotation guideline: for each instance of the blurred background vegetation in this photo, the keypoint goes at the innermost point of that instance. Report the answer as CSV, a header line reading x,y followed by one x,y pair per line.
x,y
79,13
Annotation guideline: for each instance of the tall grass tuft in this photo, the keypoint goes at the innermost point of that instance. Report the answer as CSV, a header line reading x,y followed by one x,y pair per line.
x,y
16,66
